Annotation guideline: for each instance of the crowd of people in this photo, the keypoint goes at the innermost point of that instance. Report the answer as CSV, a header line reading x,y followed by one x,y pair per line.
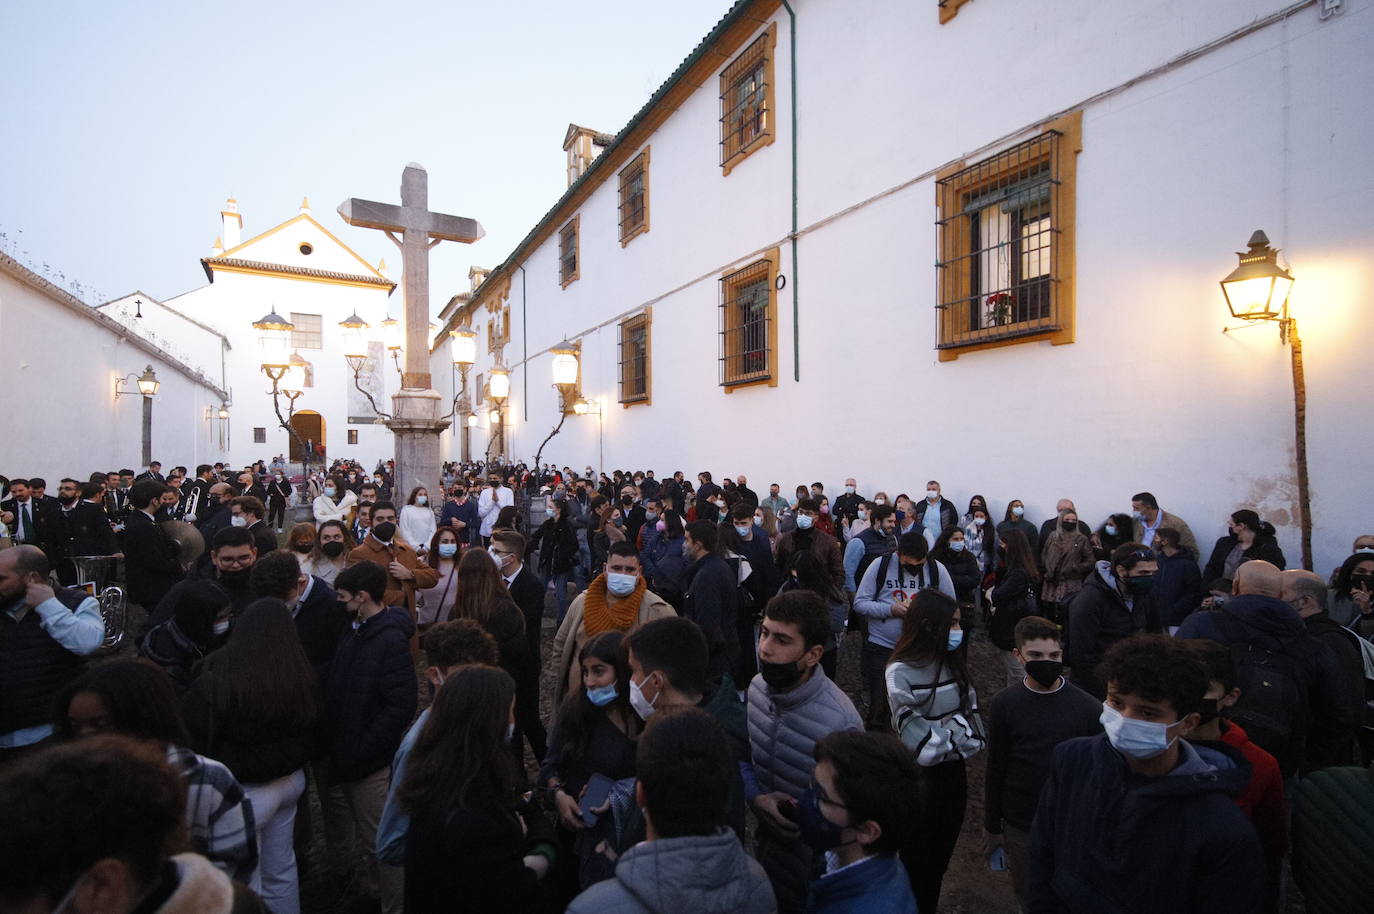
x,y
1169,730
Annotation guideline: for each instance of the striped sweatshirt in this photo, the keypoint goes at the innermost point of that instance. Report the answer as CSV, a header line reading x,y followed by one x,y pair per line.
x,y
930,715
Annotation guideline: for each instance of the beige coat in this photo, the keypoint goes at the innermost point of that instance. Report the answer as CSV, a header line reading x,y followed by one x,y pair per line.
x,y
572,637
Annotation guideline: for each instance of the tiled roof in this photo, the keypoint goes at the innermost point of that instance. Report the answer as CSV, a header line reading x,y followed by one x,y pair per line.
x,y
211,262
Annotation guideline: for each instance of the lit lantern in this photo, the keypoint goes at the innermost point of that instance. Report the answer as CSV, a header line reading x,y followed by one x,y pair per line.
x,y
1258,287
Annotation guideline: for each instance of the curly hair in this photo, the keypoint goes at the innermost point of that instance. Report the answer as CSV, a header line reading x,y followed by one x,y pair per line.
x,y
1156,668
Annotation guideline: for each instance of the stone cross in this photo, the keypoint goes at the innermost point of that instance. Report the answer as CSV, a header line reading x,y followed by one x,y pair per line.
x,y
420,230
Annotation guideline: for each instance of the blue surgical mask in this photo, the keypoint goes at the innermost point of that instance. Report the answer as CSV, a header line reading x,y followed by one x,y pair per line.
x,y
1137,739
804,521
956,638
957,545
651,516
1110,529
743,531
602,695
621,584
1018,511
448,550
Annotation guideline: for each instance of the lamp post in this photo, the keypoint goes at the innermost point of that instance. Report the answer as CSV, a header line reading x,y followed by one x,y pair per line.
x,y
584,407
356,342
565,373
146,385
498,388
463,343
1257,290
274,334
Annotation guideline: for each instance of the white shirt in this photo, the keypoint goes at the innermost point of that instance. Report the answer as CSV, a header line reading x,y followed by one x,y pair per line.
x,y
417,525
489,505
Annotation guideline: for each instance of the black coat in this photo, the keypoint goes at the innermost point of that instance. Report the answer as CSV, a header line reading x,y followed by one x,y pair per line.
x,y
254,745
528,593
1098,618
170,648
151,563
705,492
1264,547
370,696
712,602
556,542
672,493
964,572
85,530
47,534
264,540
321,624
949,515
1178,587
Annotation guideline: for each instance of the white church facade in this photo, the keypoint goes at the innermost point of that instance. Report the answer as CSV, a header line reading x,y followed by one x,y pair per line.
x,y
306,274
973,241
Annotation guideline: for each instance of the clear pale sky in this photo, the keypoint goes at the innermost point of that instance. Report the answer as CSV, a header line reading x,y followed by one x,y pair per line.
x,y
128,124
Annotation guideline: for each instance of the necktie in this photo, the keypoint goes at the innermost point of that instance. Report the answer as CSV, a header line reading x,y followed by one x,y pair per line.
x,y
25,523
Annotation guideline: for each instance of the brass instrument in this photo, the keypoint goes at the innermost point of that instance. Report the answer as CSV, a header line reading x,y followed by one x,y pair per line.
x,y
92,571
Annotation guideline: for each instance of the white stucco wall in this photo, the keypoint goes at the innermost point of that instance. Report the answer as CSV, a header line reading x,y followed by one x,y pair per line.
x,y
1270,130
60,414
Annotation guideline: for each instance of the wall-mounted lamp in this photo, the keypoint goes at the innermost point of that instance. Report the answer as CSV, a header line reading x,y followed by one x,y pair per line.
x,y
146,384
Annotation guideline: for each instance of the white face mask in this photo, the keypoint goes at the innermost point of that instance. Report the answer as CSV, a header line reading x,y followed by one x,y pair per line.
x,y
849,489
421,499
621,584
1017,511
220,628
804,521
880,501
643,706
238,520
1138,739
862,514
933,494
497,558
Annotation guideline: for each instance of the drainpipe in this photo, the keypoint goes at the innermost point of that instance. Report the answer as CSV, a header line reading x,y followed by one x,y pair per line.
x,y
796,312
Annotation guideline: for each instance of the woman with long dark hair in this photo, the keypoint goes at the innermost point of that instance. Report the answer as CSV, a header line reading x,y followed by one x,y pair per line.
x,y
951,550
335,502
1013,597
935,713
254,708
593,733
482,596
1015,519
556,544
474,845
1351,597
1068,559
1115,531
1248,538
329,553
664,564
417,523
436,603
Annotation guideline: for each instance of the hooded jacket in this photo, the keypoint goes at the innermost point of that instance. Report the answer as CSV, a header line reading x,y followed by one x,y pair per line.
x,y
1109,841
370,696
703,874
784,728
1098,618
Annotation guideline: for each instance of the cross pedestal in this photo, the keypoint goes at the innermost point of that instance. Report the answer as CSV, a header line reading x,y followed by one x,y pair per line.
x,y
416,407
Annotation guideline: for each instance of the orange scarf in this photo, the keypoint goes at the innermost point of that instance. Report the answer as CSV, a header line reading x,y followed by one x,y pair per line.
x,y
598,617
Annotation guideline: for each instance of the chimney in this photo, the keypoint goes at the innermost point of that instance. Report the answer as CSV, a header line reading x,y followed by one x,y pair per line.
x,y
583,145
477,276
217,248
233,224
305,205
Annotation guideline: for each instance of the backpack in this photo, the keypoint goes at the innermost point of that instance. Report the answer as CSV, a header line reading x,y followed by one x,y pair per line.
x,y
1273,706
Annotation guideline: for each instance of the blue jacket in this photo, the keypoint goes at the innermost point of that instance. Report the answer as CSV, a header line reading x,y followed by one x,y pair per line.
x,y
1178,587
370,696
467,513
879,883
1109,841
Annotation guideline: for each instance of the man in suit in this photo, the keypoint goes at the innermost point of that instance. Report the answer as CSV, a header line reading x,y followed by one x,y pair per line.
x,y
247,511
154,471
116,498
151,557
320,620
82,528
38,488
32,521
198,498
248,485
508,548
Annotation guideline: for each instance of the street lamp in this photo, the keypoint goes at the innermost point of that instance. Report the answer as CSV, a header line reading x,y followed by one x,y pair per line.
x,y
356,342
146,386
463,346
1257,290
565,369
274,335
584,407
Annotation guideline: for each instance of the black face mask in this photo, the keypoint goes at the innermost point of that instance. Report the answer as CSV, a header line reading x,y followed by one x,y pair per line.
x,y
69,501
333,550
1045,672
304,548
1209,711
780,676
910,570
234,580
384,531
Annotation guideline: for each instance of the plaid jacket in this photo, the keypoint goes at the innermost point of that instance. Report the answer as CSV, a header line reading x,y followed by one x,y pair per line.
x,y
219,816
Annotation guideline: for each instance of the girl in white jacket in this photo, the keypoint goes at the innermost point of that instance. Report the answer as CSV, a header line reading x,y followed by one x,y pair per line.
x,y
335,503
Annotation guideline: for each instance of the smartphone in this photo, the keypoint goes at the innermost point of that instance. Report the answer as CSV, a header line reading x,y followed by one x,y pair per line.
x,y
997,860
598,788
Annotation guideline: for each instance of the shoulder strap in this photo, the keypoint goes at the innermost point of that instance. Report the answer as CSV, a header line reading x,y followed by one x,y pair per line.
x,y
883,564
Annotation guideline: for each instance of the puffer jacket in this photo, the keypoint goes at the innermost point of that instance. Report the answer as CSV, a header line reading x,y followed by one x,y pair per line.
x,y
1331,816
704,874
1098,618
370,696
784,728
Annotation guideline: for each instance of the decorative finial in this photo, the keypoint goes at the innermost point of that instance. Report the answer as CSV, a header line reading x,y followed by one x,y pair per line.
x,y
305,204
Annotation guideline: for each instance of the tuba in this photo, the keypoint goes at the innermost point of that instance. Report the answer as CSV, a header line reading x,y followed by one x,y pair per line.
x,y
92,571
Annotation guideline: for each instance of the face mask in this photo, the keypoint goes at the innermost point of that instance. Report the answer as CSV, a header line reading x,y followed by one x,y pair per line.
x,y
1045,672
651,516
743,531
1368,550
1209,711
497,558
330,491
686,552
510,731
819,833
956,638
238,521
234,580
602,696
979,521
911,570
932,495
849,489
1110,529
643,706
861,514
804,521
1137,739
220,628
421,499
880,501
621,584
1137,515
957,545
1139,585
661,526
617,520
779,676
448,550
384,531
825,509
304,548
333,550
1018,511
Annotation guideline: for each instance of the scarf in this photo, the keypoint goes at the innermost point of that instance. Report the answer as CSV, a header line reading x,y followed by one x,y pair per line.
x,y
598,617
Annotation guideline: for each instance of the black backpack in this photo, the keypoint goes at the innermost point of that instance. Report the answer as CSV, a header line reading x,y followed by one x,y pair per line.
x,y
1273,705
